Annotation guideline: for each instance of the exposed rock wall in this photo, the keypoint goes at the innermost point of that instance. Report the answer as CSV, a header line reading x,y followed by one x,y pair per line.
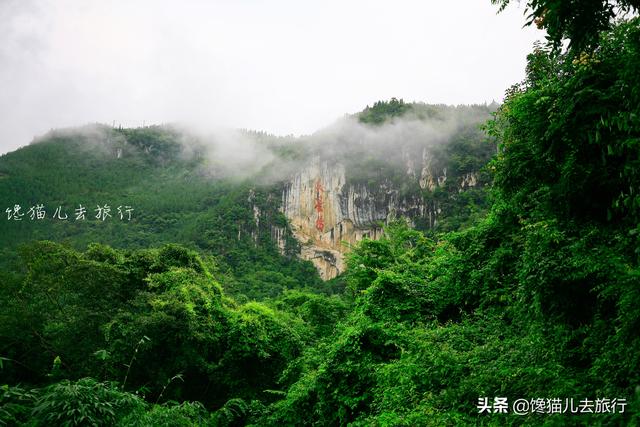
x,y
327,214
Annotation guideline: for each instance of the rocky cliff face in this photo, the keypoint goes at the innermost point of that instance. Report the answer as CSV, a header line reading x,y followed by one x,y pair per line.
x,y
328,214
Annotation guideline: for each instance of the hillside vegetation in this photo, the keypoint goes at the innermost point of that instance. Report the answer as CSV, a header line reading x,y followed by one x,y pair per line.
x,y
535,297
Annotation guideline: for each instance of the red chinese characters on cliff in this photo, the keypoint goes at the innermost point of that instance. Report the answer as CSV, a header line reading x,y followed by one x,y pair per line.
x,y
318,206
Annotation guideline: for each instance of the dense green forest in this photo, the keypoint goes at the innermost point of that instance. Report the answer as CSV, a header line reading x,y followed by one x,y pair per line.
x,y
171,196
536,295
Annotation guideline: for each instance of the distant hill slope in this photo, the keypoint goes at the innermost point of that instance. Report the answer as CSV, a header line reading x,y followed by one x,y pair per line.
x,y
172,198
234,196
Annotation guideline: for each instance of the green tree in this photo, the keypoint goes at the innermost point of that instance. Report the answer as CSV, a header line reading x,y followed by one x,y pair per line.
x,y
578,21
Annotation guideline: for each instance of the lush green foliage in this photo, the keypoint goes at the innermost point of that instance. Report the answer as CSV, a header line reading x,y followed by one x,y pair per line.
x,y
383,111
578,21
571,129
169,185
537,299
154,321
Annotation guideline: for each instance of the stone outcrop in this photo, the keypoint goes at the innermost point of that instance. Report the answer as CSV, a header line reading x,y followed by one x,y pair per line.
x,y
327,214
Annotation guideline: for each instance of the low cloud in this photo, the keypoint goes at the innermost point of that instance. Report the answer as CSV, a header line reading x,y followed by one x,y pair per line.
x,y
283,66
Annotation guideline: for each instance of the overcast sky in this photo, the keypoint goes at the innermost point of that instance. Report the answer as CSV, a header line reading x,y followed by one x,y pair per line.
x,y
282,66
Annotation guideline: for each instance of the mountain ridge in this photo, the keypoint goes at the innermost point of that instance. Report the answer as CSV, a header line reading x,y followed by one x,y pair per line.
x,y
180,186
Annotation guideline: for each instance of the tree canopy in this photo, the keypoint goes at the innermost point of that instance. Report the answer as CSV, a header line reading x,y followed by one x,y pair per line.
x,y
578,21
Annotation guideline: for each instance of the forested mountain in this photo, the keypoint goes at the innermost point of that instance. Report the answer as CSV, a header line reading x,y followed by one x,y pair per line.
x,y
255,213
169,190
474,260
